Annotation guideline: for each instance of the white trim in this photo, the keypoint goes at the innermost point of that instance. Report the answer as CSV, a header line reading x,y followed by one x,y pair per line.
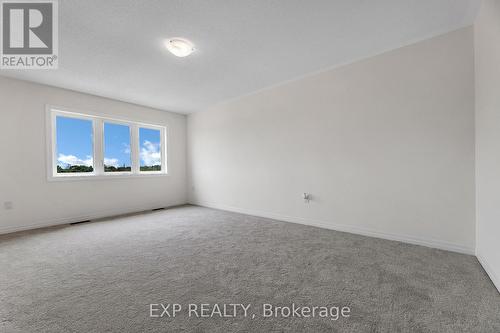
x,y
98,137
489,270
443,245
92,216
94,114
108,176
134,148
433,243
98,120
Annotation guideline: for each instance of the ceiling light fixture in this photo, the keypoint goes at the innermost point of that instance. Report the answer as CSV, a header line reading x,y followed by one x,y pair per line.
x,y
179,47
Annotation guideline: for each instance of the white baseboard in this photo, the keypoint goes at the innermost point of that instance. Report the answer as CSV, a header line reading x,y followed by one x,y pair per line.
x,y
439,244
433,243
90,216
489,270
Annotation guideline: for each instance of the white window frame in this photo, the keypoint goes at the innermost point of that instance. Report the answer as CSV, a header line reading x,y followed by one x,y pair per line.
x,y
98,121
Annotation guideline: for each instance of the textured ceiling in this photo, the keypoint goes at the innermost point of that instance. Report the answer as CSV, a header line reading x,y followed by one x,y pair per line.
x,y
113,48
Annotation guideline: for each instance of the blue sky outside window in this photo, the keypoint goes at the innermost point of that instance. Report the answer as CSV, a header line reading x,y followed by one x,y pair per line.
x,y
117,148
74,145
150,149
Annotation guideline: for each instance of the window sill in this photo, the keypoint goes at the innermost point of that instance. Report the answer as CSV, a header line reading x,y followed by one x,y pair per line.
x,y
80,177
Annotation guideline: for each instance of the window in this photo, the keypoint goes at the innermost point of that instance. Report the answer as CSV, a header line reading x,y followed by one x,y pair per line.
x,y
150,153
117,148
74,145
83,145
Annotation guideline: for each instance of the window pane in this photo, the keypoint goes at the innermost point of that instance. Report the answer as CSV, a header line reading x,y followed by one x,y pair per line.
x,y
74,145
117,148
150,149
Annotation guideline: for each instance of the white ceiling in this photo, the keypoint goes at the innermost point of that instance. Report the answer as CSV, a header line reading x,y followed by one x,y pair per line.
x,y
113,48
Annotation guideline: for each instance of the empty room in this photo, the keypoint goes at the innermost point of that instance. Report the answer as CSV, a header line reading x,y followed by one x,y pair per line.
x,y
249,166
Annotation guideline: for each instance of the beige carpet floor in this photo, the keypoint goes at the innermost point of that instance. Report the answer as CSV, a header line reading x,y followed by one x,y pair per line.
x,y
103,277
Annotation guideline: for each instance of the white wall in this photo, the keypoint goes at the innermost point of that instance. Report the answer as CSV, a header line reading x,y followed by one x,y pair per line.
x,y
487,56
384,145
23,175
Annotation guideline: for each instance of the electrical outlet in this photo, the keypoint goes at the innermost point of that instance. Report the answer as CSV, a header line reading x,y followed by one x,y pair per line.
x,y
8,205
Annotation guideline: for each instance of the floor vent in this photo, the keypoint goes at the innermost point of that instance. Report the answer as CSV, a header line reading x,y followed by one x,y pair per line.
x,y
80,222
